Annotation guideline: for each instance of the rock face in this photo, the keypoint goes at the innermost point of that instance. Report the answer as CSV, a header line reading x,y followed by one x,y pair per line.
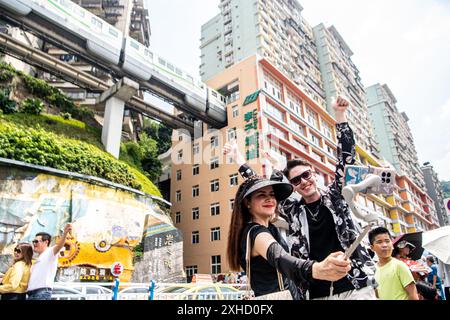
x,y
109,221
163,256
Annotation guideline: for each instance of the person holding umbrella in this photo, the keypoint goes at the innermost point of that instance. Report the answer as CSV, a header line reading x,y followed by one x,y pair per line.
x,y
408,248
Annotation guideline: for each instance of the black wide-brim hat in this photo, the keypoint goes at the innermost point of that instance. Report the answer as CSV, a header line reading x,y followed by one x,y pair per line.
x,y
282,190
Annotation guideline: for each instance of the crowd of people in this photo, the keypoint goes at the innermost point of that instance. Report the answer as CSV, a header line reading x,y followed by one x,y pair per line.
x,y
309,260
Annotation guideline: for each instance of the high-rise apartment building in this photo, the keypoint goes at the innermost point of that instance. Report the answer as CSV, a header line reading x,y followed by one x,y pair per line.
x,y
434,188
408,209
393,133
271,29
266,105
340,76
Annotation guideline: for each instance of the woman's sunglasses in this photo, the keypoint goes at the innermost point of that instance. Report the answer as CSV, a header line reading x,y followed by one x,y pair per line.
x,y
298,179
17,250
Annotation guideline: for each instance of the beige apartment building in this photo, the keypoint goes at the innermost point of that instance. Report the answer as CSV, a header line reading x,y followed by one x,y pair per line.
x,y
264,104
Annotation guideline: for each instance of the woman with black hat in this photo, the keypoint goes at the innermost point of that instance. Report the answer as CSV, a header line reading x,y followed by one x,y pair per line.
x,y
254,212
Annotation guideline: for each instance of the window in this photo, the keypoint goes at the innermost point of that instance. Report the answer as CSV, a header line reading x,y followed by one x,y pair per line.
x,y
196,170
300,145
232,134
215,234
275,112
180,137
327,130
178,175
311,117
316,156
215,209
215,265
113,32
315,140
178,196
277,132
96,23
297,127
196,148
195,191
231,204
331,151
214,142
214,164
191,270
234,111
178,217
234,180
195,213
195,237
214,185
180,154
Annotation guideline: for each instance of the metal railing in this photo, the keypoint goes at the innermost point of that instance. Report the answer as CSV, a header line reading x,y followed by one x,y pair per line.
x,y
146,294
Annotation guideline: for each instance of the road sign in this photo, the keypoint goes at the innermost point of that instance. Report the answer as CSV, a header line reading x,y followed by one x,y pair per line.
x,y
116,269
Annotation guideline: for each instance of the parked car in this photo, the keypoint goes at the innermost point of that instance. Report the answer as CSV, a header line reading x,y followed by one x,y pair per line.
x,y
209,291
62,292
134,293
93,291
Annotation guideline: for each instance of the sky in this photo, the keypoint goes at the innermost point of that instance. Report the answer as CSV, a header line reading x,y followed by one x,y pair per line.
x,y
403,43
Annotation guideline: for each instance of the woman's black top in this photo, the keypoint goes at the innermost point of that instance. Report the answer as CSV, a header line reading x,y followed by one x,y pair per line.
x,y
264,278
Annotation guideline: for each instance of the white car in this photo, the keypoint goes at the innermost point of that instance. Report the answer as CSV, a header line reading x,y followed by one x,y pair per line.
x,y
62,292
134,293
93,291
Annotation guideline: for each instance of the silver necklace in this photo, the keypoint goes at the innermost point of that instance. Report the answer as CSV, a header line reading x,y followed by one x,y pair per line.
x,y
315,214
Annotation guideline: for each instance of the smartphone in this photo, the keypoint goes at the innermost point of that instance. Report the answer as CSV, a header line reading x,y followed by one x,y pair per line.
x,y
356,174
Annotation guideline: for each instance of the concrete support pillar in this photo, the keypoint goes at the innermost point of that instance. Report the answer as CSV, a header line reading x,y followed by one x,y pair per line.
x,y
112,125
114,99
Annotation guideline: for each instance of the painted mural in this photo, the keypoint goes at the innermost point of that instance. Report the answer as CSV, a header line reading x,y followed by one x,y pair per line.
x,y
108,221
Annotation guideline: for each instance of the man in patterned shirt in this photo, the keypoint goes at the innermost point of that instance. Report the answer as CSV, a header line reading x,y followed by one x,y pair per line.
x,y
320,222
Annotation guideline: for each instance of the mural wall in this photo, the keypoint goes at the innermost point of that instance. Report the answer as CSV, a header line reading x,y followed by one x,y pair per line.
x,y
108,221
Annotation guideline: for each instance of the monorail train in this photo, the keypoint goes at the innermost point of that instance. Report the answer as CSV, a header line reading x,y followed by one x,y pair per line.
x,y
107,42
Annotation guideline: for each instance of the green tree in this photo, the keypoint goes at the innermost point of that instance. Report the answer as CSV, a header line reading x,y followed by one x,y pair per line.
x,y
161,134
150,163
446,188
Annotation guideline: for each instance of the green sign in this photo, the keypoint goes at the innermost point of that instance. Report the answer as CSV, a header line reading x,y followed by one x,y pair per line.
x,y
251,98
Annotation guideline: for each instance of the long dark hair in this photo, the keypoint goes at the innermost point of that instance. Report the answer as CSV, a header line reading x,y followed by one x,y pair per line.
x,y
27,253
240,217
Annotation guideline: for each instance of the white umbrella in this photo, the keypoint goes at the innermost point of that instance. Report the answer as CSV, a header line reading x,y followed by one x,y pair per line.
x,y
437,242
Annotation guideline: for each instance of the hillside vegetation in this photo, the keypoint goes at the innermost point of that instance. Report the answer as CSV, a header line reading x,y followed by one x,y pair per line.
x,y
42,126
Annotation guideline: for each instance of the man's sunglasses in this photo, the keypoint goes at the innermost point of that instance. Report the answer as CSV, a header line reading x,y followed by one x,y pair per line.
x,y
17,250
298,179
36,241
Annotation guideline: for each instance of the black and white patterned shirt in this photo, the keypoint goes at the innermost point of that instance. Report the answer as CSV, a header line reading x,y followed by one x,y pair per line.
x,y
293,211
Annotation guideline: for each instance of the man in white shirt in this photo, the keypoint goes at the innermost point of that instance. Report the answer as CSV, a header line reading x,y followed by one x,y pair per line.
x,y
43,271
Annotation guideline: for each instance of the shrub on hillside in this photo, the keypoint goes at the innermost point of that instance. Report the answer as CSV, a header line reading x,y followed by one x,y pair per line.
x,y
6,75
6,105
65,115
40,147
32,106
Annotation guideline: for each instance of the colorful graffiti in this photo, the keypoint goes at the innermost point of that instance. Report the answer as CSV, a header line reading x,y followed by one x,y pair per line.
x,y
108,222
